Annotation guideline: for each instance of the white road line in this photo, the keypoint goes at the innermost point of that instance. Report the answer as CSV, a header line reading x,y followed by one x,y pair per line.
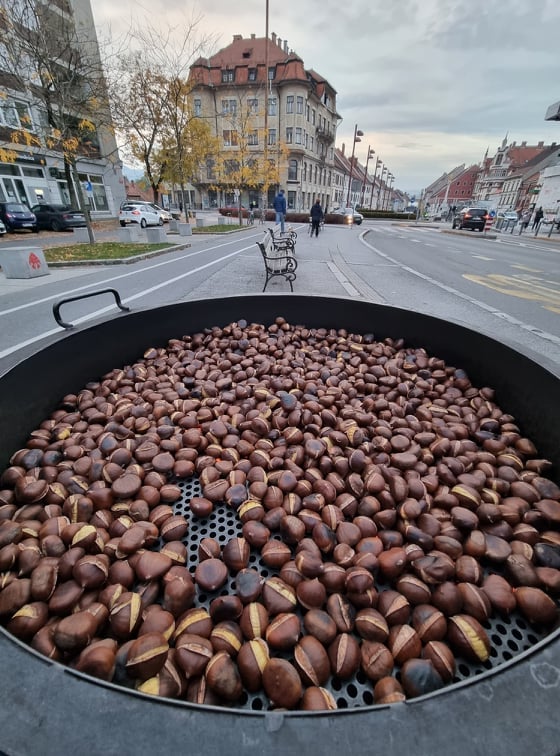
x,y
482,305
341,278
131,272
103,310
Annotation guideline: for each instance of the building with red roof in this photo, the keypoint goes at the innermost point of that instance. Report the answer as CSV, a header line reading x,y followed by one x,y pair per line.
x,y
262,104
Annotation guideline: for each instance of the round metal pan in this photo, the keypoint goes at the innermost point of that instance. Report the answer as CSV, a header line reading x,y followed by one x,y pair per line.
x,y
49,709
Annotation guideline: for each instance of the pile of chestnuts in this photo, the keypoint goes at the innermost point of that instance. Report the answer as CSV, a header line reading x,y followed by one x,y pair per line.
x,y
396,507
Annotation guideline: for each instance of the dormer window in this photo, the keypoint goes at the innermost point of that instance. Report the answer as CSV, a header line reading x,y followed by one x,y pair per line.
x,y
227,76
271,72
252,76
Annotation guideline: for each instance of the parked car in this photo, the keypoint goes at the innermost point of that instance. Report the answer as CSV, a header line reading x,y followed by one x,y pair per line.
x,y
165,214
17,216
144,215
58,217
2,228
350,215
473,218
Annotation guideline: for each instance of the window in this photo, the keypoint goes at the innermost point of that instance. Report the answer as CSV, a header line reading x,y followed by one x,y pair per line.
x,y
272,104
298,135
230,137
307,112
271,72
313,116
197,107
227,76
292,170
305,172
252,76
306,139
229,107
299,105
253,105
291,200
290,104
210,173
311,143
271,136
16,115
253,138
289,135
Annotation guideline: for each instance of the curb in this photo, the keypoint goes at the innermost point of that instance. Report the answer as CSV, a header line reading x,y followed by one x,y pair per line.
x,y
118,261
471,234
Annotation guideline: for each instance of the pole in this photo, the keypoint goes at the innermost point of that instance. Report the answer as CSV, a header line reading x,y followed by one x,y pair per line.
x,y
265,166
370,153
357,135
379,192
377,164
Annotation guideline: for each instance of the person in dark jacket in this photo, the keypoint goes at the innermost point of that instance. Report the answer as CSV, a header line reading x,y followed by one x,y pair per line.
x,y
538,217
279,205
316,217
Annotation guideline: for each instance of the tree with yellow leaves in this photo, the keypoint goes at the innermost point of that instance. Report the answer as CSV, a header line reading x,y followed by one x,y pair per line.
x,y
50,59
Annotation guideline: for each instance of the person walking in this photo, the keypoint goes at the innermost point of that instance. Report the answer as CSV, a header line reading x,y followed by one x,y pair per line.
x,y
279,206
538,218
317,216
525,218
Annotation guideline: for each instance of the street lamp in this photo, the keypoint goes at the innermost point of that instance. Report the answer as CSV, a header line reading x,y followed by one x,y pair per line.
x,y
385,169
377,164
357,135
370,154
388,189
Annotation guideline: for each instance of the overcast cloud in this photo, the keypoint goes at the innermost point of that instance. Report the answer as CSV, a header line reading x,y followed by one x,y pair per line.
x,y
431,83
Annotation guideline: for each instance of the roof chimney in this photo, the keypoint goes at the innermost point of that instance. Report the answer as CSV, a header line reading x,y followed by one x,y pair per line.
x,y
279,42
540,144
342,148
252,36
237,37
273,37
285,45
524,144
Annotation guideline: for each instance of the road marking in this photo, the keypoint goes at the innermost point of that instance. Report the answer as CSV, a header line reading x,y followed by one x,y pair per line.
x,y
104,310
481,257
131,272
524,267
341,278
476,302
520,288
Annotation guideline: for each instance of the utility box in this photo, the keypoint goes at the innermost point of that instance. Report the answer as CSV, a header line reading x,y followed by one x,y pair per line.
x,y
81,234
128,234
155,235
23,262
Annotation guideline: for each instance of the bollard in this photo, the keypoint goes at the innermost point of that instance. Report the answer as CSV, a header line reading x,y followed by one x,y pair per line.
x,y
81,234
155,235
23,262
185,229
128,234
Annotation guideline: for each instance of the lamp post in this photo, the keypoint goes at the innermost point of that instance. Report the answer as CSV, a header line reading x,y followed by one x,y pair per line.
x,y
377,164
370,154
388,188
385,169
357,135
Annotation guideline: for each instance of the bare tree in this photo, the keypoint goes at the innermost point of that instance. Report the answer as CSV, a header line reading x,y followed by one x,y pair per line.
x,y
52,61
149,99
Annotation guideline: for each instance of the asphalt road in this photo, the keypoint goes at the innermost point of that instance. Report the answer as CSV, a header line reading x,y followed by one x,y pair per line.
x,y
507,287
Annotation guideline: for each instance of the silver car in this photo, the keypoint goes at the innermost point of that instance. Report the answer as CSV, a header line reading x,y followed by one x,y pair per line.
x,y
2,228
143,215
351,216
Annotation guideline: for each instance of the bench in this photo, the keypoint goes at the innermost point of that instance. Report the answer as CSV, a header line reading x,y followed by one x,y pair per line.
x,y
286,240
278,260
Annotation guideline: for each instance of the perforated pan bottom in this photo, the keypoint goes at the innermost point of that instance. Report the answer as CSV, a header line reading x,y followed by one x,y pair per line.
x,y
508,636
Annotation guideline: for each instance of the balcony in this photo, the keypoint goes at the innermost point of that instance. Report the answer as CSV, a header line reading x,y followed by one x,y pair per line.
x,y
324,135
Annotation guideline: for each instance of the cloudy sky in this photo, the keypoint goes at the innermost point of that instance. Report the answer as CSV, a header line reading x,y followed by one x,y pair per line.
x,y
431,83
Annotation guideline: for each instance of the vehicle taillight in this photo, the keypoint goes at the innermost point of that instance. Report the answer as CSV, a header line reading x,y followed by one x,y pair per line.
x,y
136,212
468,215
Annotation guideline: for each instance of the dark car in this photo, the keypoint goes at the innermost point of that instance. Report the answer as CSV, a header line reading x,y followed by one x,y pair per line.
x,y
58,217
16,216
473,218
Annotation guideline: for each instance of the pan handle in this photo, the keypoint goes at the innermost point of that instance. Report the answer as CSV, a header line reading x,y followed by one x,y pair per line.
x,y
57,306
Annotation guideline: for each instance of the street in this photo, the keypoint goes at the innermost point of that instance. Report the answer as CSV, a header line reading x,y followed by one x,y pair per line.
x,y
508,287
